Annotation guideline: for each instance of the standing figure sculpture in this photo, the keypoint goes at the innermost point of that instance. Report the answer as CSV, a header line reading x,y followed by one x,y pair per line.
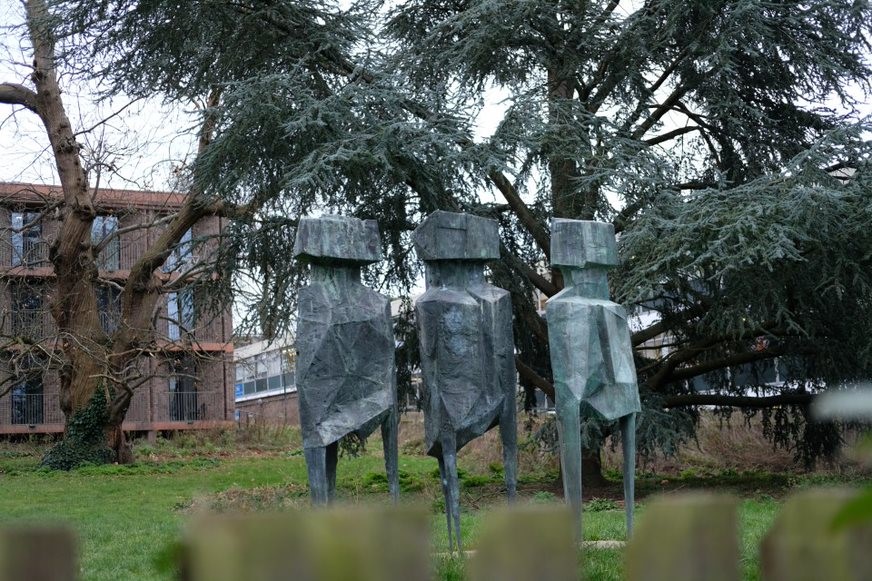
x,y
345,349
467,350
591,352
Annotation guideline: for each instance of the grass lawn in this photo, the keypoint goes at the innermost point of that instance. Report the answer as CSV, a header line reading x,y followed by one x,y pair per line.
x,y
127,516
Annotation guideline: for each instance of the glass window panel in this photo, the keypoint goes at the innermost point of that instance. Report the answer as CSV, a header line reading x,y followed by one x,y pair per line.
x,y
173,317
275,382
25,243
27,402
261,385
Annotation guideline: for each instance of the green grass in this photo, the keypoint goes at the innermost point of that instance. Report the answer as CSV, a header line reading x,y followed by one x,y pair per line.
x,y
128,516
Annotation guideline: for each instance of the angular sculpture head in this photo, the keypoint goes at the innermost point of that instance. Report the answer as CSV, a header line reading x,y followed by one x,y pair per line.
x,y
453,236
583,244
331,240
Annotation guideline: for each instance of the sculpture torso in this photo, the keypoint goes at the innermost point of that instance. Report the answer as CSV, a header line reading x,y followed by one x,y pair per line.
x,y
465,335
591,351
345,356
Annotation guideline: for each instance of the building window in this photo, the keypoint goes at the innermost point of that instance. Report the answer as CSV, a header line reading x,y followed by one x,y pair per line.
x,y
182,254
102,228
180,313
26,247
27,313
109,308
184,402
272,371
27,401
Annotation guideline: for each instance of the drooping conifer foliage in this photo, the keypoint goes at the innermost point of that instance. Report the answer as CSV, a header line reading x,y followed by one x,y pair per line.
x,y
722,138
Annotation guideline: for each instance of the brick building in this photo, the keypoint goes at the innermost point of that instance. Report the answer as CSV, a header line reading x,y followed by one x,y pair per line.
x,y
188,384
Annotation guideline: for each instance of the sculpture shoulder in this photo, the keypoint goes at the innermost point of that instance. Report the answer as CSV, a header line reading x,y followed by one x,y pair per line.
x,y
570,298
322,293
489,293
312,297
444,295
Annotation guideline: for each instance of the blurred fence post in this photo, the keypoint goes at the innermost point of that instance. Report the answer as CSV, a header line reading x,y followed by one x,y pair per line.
x,y
686,538
335,545
519,544
37,553
803,544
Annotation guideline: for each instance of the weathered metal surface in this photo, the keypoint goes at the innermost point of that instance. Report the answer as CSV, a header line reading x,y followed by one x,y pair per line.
x,y
345,349
467,350
591,352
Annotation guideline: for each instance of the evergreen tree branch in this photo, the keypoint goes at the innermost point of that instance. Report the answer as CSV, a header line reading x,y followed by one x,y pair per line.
x,y
661,110
664,325
540,282
733,360
533,379
15,94
669,135
748,402
537,231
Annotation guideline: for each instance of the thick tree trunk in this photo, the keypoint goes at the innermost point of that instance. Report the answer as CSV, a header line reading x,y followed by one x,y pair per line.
x,y
74,305
118,443
592,469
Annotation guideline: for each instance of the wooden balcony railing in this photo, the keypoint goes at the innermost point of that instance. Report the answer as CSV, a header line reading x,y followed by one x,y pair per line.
x,y
120,255
209,331
192,406
30,409
32,324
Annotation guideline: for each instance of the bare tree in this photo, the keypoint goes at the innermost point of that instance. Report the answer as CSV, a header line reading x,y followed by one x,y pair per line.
x,y
91,354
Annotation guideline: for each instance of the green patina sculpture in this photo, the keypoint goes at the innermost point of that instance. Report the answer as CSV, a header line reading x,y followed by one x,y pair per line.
x,y
591,352
345,349
467,349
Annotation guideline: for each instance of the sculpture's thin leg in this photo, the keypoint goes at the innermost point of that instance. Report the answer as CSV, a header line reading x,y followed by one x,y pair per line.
x,y
389,441
509,436
628,440
332,460
569,426
446,494
449,453
316,466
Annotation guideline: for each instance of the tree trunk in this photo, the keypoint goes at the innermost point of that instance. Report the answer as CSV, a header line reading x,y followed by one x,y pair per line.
x,y
592,469
74,304
118,443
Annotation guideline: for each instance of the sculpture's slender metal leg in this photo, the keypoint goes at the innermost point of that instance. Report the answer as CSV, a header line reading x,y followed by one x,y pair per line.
x,y
446,494
449,453
332,460
316,466
509,436
569,426
389,439
628,441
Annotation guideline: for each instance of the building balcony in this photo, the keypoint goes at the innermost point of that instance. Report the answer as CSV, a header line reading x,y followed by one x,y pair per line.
x,y
25,412
120,256
31,324
149,411
210,331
